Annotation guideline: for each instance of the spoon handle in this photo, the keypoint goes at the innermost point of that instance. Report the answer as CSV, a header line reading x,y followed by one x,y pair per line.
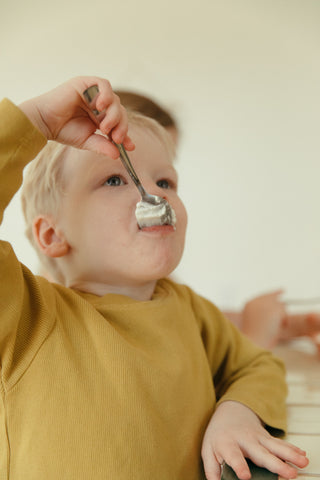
x,y
128,165
89,95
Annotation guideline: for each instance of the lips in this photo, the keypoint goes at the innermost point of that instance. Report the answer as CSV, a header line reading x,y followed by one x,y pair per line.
x,y
159,229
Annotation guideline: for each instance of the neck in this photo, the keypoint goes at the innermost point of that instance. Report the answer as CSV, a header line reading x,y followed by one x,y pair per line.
x,y
137,292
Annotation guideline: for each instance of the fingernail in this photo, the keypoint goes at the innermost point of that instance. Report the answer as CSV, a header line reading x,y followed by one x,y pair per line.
x,y
90,93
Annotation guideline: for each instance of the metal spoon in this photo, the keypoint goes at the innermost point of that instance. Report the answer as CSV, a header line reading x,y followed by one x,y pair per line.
x,y
152,210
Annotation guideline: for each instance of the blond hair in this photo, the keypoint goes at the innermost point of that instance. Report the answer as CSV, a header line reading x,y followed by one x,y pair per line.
x,y
43,185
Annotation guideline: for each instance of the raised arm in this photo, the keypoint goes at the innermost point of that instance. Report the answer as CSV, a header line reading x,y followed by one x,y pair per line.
x,y
62,115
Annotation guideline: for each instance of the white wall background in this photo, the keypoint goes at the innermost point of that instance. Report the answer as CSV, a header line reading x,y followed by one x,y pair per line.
x,y
243,78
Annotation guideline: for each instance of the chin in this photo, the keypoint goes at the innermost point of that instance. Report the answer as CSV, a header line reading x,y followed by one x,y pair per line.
x,y
163,267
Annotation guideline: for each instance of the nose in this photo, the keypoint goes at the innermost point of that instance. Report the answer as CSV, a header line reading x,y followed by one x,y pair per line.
x,y
160,192
150,186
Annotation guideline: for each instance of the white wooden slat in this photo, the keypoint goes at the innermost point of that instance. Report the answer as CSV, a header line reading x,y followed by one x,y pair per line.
x,y
303,402
304,393
304,419
301,476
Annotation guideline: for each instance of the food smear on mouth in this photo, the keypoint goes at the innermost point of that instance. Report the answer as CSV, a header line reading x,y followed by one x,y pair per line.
x,y
149,215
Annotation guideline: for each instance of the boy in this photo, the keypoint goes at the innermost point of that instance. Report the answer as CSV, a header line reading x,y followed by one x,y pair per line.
x,y
112,373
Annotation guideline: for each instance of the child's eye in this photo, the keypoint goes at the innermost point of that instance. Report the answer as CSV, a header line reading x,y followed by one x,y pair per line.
x,y
114,181
163,183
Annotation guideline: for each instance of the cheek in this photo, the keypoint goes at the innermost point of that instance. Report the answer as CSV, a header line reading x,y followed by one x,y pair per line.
x,y
84,224
105,214
182,216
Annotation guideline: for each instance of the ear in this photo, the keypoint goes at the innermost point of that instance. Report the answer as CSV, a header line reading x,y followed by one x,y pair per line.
x,y
49,238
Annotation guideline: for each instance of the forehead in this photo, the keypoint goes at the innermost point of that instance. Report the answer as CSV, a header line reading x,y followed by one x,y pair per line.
x,y
156,146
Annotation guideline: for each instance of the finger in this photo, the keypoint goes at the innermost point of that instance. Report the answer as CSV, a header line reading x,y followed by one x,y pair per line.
x,y
96,91
106,96
278,292
113,116
119,132
109,114
238,463
234,457
100,144
286,451
275,293
275,465
264,458
316,338
128,143
313,323
98,97
115,122
212,466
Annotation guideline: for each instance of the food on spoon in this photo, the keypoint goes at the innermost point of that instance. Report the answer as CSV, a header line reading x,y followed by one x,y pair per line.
x,y
149,215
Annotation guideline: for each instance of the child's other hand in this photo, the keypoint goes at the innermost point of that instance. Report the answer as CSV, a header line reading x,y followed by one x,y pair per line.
x,y
235,433
262,318
64,115
301,325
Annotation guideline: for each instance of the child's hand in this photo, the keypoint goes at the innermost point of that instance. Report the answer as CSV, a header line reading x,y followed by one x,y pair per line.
x,y
316,340
235,433
63,115
301,325
262,318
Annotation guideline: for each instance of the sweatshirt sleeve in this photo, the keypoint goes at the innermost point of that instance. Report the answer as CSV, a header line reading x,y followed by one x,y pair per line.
x,y
241,370
20,142
23,304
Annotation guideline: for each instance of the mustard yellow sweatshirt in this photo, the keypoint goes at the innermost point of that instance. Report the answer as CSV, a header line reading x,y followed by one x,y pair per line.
x,y
110,387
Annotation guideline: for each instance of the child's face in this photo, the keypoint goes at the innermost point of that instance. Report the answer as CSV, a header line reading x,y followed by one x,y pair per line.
x,y
98,217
